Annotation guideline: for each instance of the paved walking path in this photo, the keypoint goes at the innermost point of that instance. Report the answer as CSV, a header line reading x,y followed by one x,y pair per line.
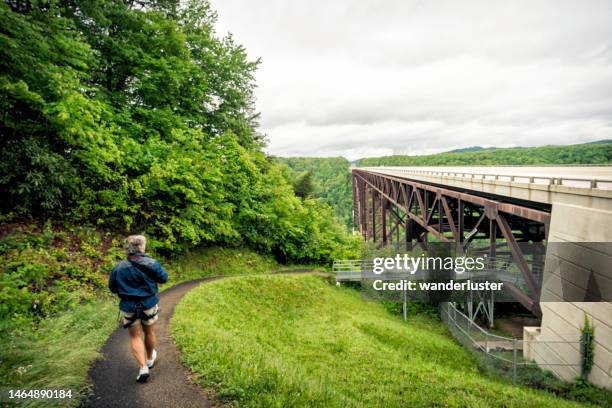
x,y
114,375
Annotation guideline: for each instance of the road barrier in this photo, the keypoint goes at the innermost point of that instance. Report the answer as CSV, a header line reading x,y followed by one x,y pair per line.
x,y
575,181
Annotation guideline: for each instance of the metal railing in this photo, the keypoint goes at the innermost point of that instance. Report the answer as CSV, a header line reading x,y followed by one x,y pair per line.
x,y
511,357
497,268
351,269
580,182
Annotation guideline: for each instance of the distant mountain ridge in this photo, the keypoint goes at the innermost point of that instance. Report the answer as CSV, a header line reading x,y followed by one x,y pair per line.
x,y
598,152
480,148
603,141
472,149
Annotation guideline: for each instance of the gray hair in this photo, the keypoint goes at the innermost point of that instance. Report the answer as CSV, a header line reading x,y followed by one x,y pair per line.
x,y
135,244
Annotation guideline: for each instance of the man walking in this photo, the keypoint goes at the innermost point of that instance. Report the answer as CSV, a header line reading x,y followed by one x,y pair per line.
x,y
135,281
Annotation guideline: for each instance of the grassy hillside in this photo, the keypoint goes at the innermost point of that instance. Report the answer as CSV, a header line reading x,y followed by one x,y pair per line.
x,y
588,153
302,342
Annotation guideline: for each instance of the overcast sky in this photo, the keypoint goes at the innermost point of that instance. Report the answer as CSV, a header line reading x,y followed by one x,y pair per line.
x,y
370,78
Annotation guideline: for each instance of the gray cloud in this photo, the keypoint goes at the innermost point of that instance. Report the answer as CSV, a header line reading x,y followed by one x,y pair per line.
x,y
356,78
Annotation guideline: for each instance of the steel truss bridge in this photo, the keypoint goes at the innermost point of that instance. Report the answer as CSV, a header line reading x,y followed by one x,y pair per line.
x,y
503,207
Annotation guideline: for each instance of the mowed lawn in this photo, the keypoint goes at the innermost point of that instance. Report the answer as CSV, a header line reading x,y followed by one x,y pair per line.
x,y
299,341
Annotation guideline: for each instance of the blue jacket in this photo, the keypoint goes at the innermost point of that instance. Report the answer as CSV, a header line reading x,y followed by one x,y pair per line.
x,y
135,280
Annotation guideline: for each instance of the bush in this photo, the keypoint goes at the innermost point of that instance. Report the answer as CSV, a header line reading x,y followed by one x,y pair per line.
x,y
45,270
587,337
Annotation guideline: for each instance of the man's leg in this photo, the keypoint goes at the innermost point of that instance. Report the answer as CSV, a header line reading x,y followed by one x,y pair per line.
x,y
138,349
150,339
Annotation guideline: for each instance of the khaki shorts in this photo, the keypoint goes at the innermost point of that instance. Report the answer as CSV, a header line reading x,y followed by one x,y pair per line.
x,y
149,312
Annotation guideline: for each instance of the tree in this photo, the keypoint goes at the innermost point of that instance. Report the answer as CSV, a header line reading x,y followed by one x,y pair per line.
x,y
303,185
136,116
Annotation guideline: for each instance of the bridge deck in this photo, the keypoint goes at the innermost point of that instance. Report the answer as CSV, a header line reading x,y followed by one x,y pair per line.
x,y
568,184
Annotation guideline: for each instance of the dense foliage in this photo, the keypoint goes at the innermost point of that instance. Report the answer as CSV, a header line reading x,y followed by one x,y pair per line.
x,y
331,181
588,153
137,117
303,185
44,270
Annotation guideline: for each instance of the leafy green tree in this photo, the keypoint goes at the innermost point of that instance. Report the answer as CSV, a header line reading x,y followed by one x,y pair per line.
x,y
136,116
331,180
303,185
47,117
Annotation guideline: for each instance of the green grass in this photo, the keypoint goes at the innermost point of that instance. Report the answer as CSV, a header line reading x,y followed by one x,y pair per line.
x,y
58,351
298,341
217,261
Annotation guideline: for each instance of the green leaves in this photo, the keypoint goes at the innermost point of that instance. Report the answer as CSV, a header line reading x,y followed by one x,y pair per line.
x,y
587,337
141,119
330,183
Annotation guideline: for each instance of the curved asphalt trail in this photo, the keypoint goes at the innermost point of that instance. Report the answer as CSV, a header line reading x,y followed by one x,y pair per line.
x,y
114,375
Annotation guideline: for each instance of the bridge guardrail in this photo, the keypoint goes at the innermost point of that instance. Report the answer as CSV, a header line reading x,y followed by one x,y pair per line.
x,y
581,182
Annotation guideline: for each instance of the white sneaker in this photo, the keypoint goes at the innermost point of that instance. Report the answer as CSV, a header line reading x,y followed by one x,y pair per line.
x,y
151,362
143,375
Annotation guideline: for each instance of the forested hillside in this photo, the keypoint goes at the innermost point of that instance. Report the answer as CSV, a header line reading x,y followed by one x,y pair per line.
x,y
137,117
331,182
588,153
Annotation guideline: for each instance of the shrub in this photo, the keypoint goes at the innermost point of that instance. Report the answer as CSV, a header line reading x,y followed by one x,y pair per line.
x,y
587,347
